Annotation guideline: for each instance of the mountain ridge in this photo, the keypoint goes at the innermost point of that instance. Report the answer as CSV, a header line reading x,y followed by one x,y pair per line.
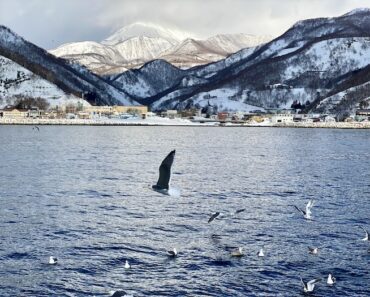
x,y
154,42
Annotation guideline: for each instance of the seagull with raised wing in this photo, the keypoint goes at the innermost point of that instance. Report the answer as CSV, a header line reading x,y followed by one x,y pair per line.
x,y
162,185
309,205
307,212
309,286
366,238
331,280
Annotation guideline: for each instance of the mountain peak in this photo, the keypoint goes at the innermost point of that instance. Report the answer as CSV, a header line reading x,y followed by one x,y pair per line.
x,y
358,11
150,30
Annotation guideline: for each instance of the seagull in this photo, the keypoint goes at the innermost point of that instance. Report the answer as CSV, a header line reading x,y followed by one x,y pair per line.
x,y
240,210
36,128
53,260
127,266
308,287
213,216
307,212
162,185
238,252
313,251
261,253
172,253
119,294
366,238
331,280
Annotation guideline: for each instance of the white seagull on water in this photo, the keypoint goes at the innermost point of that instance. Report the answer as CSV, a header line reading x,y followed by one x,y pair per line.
x,y
309,286
331,280
313,250
127,265
53,260
237,252
261,253
172,253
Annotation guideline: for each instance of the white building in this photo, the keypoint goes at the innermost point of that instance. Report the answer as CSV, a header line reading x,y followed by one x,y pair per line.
x,y
282,118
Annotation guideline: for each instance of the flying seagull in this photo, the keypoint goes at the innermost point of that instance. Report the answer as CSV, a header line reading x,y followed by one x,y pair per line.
x,y
313,251
162,185
53,260
307,212
238,252
172,253
36,128
366,238
331,280
213,216
127,265
308,287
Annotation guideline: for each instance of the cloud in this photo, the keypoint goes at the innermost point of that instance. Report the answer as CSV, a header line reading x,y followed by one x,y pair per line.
x,y
54,22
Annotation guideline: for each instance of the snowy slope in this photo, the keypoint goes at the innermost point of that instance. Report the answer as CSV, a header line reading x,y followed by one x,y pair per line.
x,y
69,78
310,59
16,81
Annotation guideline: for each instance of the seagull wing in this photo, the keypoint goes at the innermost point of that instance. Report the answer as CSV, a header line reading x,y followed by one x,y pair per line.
x,y
300,210
311,284
165,171
367,233
309,205
215,215
304,284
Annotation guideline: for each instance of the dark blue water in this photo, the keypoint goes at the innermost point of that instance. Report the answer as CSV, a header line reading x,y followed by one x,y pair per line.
x,y
82,194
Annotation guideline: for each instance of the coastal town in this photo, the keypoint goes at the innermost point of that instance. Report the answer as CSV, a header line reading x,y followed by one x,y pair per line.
x,y
80,113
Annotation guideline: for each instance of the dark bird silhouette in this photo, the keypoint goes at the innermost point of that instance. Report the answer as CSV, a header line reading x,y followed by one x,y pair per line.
x,y
162,185
119,294
36,128
213,216
240,210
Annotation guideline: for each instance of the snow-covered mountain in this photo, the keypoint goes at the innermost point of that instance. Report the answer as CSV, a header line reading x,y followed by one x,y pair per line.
x,y
134,45
306,63
27,70
322,63
148,30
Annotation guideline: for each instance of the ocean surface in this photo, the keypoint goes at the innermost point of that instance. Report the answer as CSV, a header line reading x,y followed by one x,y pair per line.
x,y
83,195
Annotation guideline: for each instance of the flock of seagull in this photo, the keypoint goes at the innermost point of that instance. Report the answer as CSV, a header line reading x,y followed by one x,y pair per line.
x,y
162,186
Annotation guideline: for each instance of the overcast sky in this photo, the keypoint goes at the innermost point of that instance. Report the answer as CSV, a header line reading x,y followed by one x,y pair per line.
x,y
49,23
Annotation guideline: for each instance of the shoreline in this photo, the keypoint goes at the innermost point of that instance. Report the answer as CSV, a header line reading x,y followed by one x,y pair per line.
x,y
182,123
